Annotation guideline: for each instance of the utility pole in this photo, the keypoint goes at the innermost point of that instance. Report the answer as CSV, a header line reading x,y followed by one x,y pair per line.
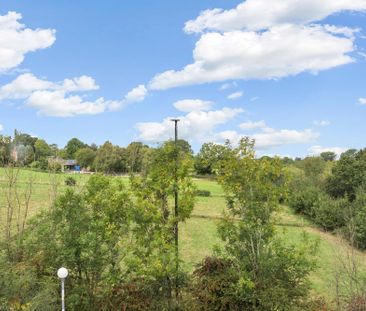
x,y
176,213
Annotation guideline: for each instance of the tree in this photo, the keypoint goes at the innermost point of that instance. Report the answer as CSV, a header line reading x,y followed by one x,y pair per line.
x,y
262,272
328,156
135,153
208,158
88,233
348,175
72,146
85,157
154,213
42,150
313,167
5,143
110,159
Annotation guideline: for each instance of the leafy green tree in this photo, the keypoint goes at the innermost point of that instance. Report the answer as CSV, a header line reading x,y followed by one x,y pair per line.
x,y
135,153
72,146
87,233
5,143
110,159
264,273
85,157
208,158
328,156
348,175
154,213
313,167
42,149
23,139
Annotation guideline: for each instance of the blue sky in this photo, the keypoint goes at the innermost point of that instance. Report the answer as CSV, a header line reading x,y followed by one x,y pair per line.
x,y
291,77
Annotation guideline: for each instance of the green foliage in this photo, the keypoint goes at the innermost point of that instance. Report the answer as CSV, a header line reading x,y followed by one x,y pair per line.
x,y
329,213
348,175
328,156
270,275
135,154
208,158
110,159
154,254
70,181
85,157
72,146
42,150
203,193
87,233
303,200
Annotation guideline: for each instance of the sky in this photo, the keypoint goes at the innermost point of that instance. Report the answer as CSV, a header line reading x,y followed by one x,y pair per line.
x,y
290,74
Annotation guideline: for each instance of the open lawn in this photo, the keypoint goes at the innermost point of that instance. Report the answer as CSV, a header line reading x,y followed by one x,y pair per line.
x,y
198,234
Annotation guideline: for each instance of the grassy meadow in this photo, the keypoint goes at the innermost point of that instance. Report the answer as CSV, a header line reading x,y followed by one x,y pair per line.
x,y
198,235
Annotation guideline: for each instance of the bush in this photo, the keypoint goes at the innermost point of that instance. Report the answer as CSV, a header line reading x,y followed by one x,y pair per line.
x,y
203,193
303,201
70,181
329,213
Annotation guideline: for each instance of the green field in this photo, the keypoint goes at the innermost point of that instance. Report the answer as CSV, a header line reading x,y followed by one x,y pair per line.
x,y
198,234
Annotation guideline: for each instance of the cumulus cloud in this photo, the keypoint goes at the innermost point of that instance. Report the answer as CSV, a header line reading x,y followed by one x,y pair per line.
x,y
137,94
235,95
362,101
25,84
196,125
250,125
269,137
258,14
278,52
1,127
188,105
317,150
16,40
57,98
321,123
59,104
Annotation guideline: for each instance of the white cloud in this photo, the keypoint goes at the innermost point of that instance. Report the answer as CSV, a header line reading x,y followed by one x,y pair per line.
x,y
228,85
196,125
16,40
269,137
54,99
274,138
250,125
362,101
1,128
275,53
235,95
317,150
260,14
188,105
321,123
137,94
25,84
59,104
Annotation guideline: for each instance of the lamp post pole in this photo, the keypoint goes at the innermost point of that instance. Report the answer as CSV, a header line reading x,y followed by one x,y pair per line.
x,y
62,273
176,212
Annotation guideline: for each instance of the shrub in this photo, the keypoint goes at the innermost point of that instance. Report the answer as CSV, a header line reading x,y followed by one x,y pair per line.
x,y
329,213
203,193
70,181
303,201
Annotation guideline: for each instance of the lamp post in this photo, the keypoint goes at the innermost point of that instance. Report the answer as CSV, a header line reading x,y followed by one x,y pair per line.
x,y
62,273
176,213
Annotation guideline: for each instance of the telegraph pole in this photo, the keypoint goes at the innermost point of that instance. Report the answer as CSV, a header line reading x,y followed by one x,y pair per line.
x,y
176,213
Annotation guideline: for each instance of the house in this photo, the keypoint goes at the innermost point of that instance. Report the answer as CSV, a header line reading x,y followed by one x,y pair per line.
x,y
70,166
